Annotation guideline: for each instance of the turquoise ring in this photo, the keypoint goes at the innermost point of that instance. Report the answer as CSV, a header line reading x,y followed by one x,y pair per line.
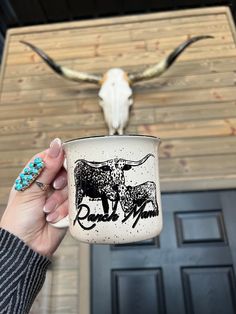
x,y
29,174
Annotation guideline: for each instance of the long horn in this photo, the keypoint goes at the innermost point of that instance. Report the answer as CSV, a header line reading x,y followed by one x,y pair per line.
x,y
63,71
138,162
162,66
94,164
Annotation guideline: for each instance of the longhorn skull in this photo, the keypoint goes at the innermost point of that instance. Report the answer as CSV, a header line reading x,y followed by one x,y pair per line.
x,y
115,94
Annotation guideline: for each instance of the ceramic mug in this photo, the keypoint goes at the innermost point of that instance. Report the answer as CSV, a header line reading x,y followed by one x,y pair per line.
x,y
113,188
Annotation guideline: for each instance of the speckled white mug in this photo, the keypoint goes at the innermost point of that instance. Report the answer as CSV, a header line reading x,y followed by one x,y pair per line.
x,y
113,186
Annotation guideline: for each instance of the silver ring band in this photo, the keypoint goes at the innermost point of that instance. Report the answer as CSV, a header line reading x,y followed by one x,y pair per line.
x,y
42,186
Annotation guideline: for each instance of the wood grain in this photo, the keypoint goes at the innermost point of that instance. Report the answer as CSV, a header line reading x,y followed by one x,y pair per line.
x,y
101,64
165,83
169,148
127,50
192,107
172,167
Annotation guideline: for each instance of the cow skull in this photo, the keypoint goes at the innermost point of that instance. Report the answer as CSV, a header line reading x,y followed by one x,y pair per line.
x,y
115,98
115,94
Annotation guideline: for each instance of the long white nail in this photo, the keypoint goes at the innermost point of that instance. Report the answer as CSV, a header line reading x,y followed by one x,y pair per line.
x,y
55,148
53,216
59,183
50,206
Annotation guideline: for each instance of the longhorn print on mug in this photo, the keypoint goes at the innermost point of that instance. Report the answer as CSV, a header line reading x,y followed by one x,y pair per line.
x,y
106,181
114,197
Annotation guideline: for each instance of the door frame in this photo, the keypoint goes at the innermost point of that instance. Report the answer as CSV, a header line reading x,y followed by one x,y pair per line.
x,y
85,265
84,278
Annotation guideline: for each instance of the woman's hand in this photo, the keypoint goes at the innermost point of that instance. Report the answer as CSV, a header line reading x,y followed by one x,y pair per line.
x,y
29,212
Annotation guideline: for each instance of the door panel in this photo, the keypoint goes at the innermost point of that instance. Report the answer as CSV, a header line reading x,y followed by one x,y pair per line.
x,y
200,227
189,269
144,284
217,293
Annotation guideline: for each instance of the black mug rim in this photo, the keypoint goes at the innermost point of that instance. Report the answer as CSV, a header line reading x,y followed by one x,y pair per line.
x,y
113,136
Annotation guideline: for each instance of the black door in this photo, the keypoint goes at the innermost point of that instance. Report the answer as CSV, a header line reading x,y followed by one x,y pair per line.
x,y
189,269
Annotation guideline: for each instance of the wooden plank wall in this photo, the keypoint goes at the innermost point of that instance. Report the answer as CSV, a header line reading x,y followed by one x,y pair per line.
x,y
192,107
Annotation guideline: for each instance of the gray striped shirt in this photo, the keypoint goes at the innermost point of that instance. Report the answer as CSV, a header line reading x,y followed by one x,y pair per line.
x,y
22,274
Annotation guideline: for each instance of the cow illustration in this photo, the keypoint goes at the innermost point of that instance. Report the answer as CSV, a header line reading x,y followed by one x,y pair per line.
x,y
102,179
137,196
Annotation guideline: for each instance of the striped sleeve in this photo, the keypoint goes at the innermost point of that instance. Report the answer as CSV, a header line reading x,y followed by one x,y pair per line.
x,y
22,274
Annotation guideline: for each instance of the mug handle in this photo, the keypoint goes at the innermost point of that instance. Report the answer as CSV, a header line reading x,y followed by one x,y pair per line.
x,y
64,222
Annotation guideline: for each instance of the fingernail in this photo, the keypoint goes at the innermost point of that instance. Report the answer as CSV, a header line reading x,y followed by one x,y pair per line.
x,y
49,206
55,148
53,216
59,183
